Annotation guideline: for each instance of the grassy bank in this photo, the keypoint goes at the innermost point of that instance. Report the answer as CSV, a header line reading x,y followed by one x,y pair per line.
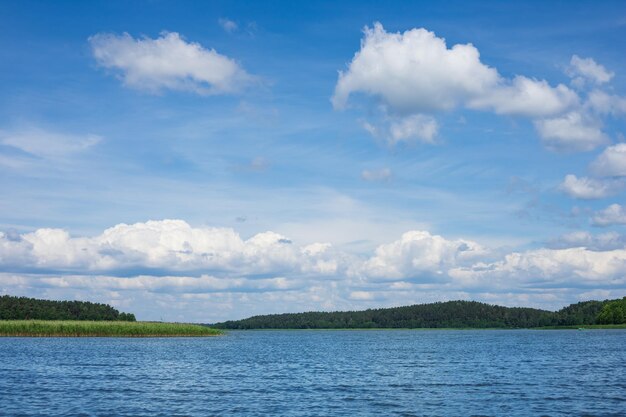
x,y
63,328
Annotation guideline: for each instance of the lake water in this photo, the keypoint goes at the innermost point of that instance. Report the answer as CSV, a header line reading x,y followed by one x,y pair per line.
x,y
317,373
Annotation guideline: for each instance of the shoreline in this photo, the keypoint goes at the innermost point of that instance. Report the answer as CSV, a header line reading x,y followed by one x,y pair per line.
x,y
71,328
568,327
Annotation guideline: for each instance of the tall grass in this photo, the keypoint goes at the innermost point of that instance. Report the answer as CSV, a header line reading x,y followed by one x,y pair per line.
x,y
49,328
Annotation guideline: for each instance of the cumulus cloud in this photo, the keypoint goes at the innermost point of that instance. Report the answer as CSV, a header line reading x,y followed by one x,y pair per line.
x,y
172,253
168,62
572,266
414,74
523,96
611,162
586,69
165,246
419,254
573,131
157,268
612,215
585,188
47,144
414,71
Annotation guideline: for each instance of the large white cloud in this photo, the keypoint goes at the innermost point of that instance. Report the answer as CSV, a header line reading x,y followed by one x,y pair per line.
x,y
168,62
414,71
174,248
415,74
419,254
167,245
553,267
159,268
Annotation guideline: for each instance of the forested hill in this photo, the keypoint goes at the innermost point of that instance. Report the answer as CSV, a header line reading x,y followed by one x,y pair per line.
x,y
451,314
23,308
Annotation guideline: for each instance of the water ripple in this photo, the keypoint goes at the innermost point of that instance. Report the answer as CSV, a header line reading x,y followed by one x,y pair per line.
x,y
314,373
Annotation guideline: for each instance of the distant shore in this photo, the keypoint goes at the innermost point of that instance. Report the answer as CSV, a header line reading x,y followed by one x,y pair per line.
x,y
72,328
458,314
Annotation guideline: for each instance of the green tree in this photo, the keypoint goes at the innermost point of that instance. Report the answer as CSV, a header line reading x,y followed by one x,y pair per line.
x,y
613,312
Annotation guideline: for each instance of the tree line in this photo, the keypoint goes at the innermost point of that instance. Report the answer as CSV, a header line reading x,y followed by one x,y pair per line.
x,y
24,308
450,314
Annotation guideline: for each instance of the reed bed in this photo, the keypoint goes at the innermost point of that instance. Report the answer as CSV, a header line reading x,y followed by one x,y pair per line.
x,y
63,328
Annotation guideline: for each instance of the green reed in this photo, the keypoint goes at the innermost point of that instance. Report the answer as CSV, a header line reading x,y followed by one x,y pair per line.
x,y
63,328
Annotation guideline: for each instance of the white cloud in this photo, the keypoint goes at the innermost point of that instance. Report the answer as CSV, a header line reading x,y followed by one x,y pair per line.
x,y
168,62
611,162
419,254
523,96
582,69
562,267
613,214
588,188
604,103
416,127
383,174
169,269
572,131
172,284
414,71
415,74
47,144
167,245
189,260
228,25
409,129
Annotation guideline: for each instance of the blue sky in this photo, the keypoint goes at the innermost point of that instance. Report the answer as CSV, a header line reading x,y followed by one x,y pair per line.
x,y
205,161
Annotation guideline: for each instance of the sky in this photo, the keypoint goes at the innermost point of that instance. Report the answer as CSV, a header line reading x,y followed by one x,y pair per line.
x,y
205,161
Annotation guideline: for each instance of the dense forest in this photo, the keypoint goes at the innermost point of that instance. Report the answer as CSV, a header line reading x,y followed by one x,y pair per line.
x,y
450,314
613,312
23,308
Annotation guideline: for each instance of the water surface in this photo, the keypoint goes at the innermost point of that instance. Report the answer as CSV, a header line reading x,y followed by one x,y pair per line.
x,y
314,373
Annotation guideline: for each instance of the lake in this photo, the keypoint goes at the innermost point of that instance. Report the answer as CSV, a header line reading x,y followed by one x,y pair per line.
x,y
316,373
